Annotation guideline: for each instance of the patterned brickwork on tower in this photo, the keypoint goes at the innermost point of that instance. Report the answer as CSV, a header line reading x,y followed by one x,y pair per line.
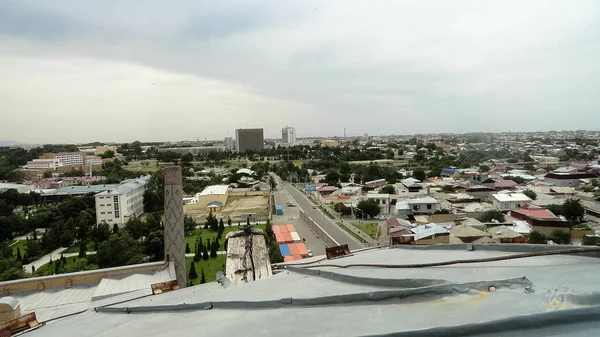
x,y
174,232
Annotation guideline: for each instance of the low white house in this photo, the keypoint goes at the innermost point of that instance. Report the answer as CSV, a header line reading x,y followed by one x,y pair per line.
x,y
424,205
510,201
384,201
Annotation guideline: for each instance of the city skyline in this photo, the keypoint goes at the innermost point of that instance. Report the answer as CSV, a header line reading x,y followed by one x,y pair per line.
x,y
97,72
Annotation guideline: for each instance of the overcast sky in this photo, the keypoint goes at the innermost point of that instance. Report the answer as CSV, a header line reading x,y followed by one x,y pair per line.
x,y
113,70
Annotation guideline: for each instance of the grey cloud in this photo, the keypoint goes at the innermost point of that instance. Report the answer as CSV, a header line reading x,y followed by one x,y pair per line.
x,y
375,66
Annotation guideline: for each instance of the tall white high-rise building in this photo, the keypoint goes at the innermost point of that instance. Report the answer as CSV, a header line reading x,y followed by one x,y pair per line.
x,y
288,135
228,143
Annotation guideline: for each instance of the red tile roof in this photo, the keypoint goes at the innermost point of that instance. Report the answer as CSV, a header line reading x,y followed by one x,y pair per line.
x,y
535,212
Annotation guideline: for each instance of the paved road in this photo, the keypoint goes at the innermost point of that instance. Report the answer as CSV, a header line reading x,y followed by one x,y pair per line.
x,y
340,235
55,255
291,215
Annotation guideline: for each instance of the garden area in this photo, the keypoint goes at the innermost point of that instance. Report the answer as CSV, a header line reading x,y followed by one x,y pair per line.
x,y
209,267
369,228
64,265
190,240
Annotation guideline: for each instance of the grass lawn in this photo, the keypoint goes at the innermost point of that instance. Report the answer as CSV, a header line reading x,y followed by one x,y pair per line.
x,y
75,248
210,267
19,244
207,234
138,166
368,228
356,236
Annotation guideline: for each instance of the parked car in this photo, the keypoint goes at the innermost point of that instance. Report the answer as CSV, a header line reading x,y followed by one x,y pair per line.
x,y
310,253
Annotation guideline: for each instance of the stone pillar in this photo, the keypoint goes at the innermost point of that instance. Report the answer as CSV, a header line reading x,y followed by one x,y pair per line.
x,y
174,232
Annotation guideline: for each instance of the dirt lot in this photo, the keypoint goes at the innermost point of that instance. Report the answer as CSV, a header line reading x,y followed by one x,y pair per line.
x,y
234,208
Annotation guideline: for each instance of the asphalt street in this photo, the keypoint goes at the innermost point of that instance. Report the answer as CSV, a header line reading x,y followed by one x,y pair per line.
x,y
291,216
334,230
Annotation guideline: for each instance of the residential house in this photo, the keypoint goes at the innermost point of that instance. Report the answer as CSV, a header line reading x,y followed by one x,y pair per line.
x,y
467,234
510,201
375,183
571,178
480,191
481,180
384,201
503,234
398,231
429,234
505,185
412,184
450,172
326,190
541,219
424,205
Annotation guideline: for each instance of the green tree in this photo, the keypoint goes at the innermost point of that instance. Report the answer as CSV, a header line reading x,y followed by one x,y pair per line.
x,y
33,248
66,238
536,237
369,207
211,222
221,228
229,222
389,189
560,237
193,275
490,215
108,154
137,228
155,246
342,209
202,278
213,250
57,266
187,248
531,194
484,168
115,229
47,174
19,257
83,225
189,223
82,249
419,174
573,210
205,255
121,249
154,194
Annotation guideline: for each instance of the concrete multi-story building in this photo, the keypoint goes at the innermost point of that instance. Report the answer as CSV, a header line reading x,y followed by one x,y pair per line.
x,y
121,203
228,143
67,158
44,164
288,136
249,139
93,160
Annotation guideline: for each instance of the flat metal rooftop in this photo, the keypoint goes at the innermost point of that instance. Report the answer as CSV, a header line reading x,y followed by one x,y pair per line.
x,y
533,296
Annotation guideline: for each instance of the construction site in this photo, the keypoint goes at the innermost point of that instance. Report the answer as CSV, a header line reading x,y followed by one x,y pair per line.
x,y
234,204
